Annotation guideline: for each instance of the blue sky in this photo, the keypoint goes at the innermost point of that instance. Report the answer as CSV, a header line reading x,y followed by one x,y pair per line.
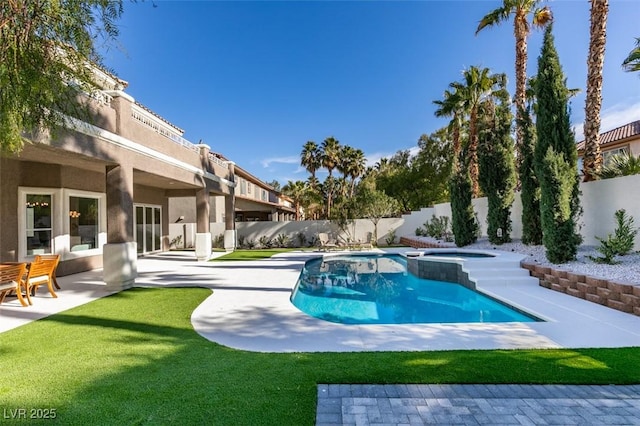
x,y
256,80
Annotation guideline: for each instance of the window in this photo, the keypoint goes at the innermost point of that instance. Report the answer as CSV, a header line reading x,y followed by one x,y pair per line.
x,y
608,155
38,223
249,187
84,223
264,195
243,186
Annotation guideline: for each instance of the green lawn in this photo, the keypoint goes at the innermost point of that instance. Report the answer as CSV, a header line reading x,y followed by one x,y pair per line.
x,y
133,358
254,254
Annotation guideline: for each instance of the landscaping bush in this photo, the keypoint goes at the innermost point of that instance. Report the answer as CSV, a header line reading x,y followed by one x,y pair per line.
x,y
438,227
620,242
265,242
282,240
302,239
391,238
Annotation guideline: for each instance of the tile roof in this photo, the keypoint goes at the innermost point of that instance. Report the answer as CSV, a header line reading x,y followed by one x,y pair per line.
x,y
617,134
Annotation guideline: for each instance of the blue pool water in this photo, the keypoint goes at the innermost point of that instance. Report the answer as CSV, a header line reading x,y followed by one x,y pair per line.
x,y
378,289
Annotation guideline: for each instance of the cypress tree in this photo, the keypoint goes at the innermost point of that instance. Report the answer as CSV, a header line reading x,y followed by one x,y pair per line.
x,y
556,158
497,171
530,188
463,221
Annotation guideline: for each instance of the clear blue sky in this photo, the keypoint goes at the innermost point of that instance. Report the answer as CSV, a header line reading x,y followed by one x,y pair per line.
x,y
256,80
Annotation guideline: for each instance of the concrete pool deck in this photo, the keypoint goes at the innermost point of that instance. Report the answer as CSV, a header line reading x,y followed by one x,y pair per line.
x,y
250,310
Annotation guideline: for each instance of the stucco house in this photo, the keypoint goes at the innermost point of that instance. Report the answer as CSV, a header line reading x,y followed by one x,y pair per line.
x,y
98,193
617,141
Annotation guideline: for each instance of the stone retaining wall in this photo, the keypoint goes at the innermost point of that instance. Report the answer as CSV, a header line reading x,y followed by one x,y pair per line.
x,y
415,243
624,297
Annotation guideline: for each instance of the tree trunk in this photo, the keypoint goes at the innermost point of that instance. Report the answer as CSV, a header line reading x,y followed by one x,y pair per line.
x,y
473,152
592,159
520,32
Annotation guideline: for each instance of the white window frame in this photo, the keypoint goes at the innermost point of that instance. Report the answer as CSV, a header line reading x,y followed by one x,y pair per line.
x,y
60,232
610,153
102,222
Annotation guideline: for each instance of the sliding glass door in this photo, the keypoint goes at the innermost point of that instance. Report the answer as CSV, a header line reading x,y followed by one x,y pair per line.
x,y
148,228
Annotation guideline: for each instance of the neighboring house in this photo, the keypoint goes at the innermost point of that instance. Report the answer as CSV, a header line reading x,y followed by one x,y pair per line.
x,y
255,201
617,141
98,194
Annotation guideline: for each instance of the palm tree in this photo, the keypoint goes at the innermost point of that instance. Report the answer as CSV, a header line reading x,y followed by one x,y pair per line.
x,y
356,168
632,62
451,106
477,86
598,36
330,157
297,191
520,9
310,157
624,164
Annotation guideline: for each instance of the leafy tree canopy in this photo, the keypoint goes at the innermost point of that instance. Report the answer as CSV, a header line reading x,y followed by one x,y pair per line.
x,y
48,52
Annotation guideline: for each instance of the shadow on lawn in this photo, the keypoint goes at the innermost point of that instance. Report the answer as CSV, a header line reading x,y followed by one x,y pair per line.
x,y
135,359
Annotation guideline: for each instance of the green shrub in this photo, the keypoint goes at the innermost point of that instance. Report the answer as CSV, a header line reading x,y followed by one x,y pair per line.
x,y
302,239
265,242
218,241
620,242
438,227
282,240
391,238
241,241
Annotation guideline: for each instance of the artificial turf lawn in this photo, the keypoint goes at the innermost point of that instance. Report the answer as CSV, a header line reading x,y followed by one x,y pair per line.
x,y
254,254
134,358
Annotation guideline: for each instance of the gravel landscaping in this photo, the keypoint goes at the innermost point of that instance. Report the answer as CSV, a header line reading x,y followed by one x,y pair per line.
x,y
628,270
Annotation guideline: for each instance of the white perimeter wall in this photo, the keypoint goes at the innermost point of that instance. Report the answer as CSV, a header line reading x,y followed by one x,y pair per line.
x,y
599,200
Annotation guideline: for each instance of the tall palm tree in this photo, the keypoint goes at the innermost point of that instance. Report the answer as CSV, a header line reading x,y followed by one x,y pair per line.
x,y
592,162
330,157
356,168
310,157
477,86
632,62
520,9
344,157
297,191
450,106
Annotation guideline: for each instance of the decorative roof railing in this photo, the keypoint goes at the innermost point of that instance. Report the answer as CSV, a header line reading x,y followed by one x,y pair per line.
x,y
158,126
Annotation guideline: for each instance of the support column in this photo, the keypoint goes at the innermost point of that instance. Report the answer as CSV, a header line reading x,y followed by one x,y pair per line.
x,y
230,237
203,233
119,255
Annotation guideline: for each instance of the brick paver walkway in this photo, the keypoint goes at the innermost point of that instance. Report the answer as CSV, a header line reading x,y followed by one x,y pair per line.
x,y
478,405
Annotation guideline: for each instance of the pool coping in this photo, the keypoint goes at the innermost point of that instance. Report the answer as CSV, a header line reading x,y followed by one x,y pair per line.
x,y
252,312
249,309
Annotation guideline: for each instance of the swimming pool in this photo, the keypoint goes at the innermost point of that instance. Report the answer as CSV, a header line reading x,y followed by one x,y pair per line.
x,y
378,289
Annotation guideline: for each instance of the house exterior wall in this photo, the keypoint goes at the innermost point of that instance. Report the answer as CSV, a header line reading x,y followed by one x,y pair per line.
x,y
73,165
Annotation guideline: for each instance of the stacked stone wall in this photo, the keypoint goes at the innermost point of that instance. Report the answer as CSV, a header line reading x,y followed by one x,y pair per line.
x,y
622,296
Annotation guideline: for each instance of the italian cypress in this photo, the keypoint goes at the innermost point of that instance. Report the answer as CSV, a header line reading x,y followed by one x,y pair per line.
x,y
530,188
463,220
556,158
497,171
